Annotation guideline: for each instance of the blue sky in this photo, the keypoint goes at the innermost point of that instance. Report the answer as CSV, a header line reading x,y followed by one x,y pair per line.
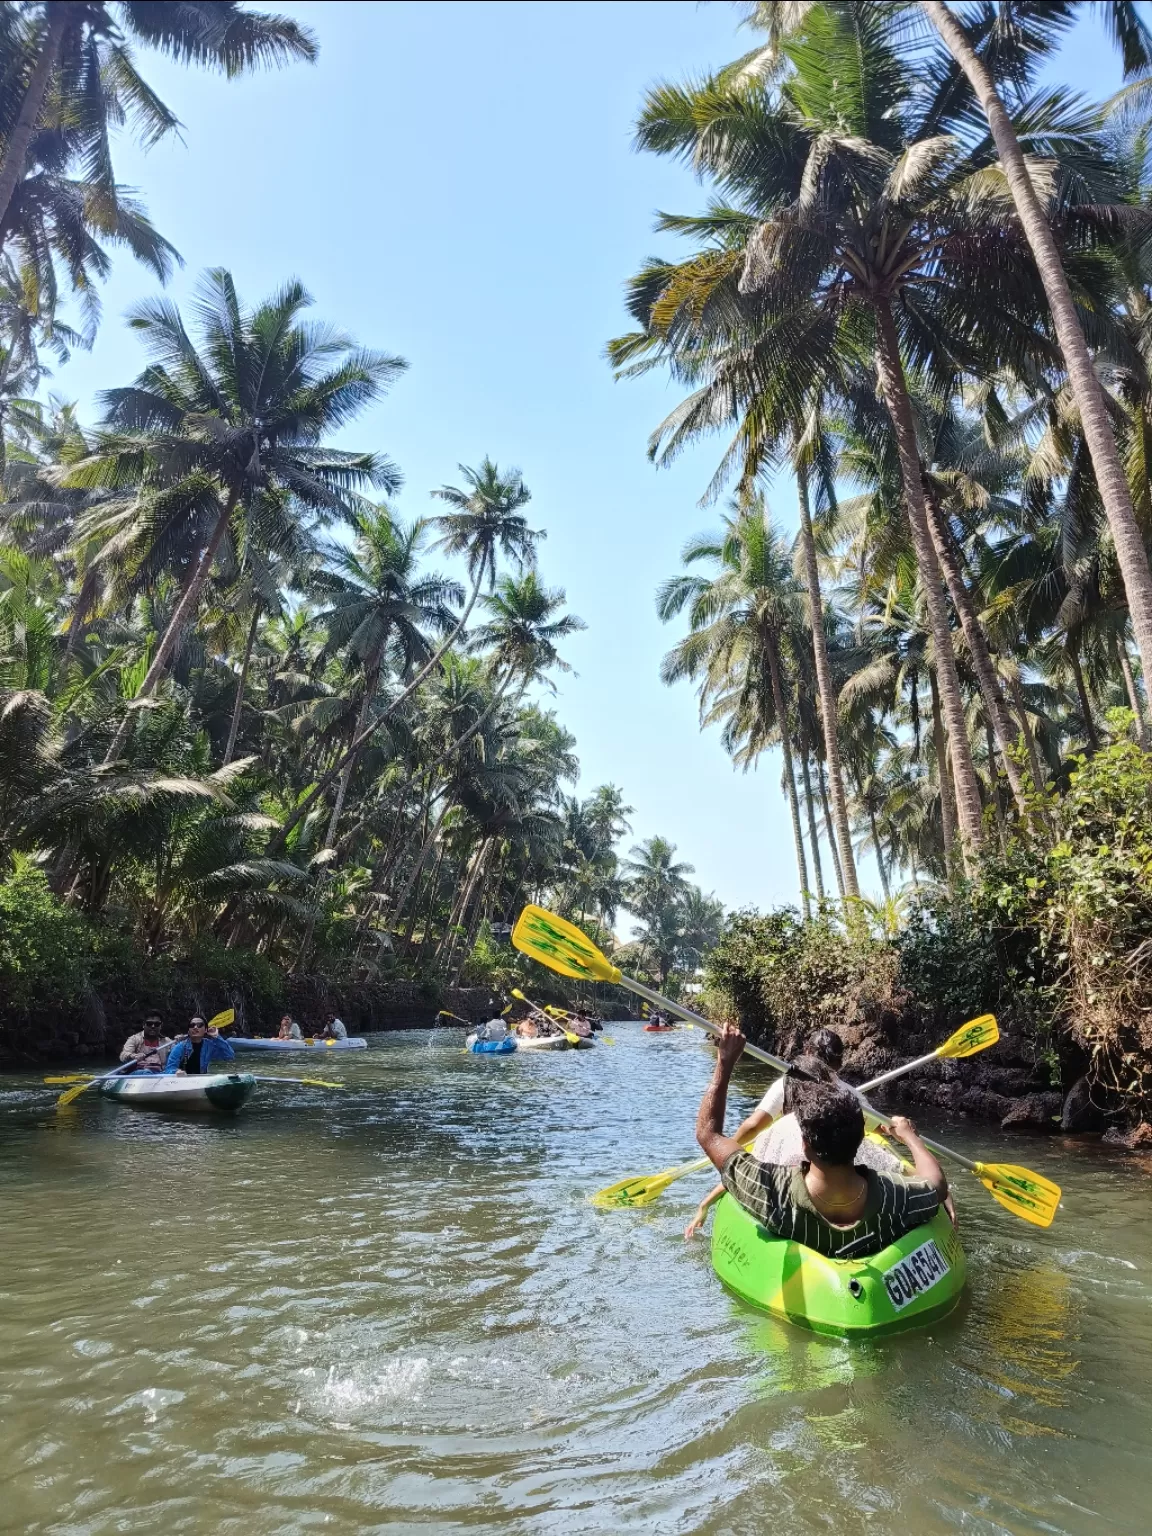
x,y
455,183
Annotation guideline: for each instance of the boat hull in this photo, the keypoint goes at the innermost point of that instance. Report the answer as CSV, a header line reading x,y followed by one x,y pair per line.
x,y
353,1043
220,1093
490,1047
541,1043
913,1281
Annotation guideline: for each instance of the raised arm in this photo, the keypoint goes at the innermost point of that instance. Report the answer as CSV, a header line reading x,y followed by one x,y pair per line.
x,y
717,1147
923,1162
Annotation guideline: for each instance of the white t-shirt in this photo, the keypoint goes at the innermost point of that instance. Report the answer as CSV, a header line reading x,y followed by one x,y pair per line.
x,y
495,1029
783,1144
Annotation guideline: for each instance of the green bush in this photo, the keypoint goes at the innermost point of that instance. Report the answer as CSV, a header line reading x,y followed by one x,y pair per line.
x,y
783,978
45,947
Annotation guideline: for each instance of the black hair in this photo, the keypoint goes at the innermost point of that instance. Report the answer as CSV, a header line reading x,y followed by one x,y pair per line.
x,y
804,1069
827,1044
831,1122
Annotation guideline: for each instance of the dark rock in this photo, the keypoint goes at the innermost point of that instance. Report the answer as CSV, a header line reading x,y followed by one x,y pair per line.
x,y
1080,1113
1138,1140
1034,1112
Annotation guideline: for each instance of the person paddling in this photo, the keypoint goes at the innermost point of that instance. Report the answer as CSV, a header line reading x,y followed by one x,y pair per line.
x,y
149,1042
830,1203
193,1055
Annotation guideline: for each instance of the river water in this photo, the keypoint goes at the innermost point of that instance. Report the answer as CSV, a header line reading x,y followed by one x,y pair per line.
x,y
392,1309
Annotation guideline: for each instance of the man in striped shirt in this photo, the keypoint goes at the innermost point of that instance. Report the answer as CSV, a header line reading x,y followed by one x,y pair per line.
x,y
828,1203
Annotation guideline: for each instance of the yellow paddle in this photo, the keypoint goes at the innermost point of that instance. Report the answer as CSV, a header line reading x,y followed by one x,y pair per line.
x,y
974,1036
570,1035
217,1021
311,1082
561,946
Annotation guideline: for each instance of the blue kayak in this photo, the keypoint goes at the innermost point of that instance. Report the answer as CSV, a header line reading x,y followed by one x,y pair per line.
x,y
503,1047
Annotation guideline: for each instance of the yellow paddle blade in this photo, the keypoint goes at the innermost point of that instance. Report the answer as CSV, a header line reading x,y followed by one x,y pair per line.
x,y
72,1077
74,1093
976,1035
639,1191
1026,1194
223,1019
319,1082
560,946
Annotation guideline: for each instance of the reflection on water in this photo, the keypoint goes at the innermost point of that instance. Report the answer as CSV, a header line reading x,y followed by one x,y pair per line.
x,y
392,1309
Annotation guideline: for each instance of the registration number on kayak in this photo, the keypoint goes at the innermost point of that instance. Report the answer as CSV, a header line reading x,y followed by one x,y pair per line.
x,y
919,1272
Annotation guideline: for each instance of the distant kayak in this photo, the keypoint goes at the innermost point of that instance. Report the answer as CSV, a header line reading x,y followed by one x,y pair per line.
x,y
659,1029
249,1043
480,1047
913,1281
212,1093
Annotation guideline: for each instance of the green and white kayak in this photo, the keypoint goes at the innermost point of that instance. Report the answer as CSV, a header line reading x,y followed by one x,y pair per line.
x,y
913,1281
212,1093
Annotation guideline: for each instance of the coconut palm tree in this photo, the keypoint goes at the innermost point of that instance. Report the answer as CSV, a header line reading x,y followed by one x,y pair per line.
x,y
737,619
210,436
1039,25
379,604
75,71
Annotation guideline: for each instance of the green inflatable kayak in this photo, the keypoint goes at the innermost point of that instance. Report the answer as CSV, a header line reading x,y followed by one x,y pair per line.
x,y
912,1282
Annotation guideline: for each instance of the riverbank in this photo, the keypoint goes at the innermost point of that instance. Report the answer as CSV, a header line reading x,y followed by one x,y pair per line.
x,y
98,1022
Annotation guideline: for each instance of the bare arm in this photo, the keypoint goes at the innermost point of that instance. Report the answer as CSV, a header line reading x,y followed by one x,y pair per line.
x,y
701,1216
756,1122
924,1163
717,1147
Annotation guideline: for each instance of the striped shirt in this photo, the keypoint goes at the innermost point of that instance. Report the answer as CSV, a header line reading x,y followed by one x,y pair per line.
x,y
778,1198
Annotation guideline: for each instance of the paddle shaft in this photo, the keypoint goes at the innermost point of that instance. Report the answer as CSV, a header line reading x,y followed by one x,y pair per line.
x,y
697,1018
909,1066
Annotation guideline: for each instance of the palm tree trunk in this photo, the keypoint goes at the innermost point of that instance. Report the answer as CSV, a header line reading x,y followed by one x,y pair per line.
x,y
371,683
789,774
993,783
58,17
183,613
943,776
1020,705
1072,651
1082,379
839,830
813,836
823,782
949,555
417,870
1133,692
969,815
238,707
879,854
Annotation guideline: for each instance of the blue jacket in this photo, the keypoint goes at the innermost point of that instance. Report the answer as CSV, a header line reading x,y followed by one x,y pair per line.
x,y
213,1049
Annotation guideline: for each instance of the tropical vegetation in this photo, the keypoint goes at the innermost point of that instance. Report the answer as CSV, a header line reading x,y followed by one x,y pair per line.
x,y
253,719
919,289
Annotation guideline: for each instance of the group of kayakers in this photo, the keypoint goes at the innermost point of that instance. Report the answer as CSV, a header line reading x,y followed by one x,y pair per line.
x,y
191,1054
811,1175
537,1023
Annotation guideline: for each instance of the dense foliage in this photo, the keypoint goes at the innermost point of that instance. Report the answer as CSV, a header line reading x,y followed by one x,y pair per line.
x,y
1053,936
248,724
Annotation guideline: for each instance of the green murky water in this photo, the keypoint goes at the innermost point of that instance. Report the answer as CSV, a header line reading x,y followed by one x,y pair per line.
x,y
391,1309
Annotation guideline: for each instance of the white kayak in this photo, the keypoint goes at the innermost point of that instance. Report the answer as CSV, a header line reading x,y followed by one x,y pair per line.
x,y
245,1043
541,1043
210,1093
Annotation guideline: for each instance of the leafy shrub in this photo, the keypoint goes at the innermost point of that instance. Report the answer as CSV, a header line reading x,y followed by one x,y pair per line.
x,y
45,947
784,978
